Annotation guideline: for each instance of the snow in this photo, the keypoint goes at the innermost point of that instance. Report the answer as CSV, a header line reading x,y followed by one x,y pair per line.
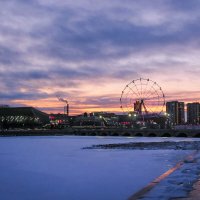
x,y
58,168
178,184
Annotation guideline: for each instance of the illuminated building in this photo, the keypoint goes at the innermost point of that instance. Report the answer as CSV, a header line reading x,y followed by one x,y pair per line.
x,y
176,111
193,113
22,117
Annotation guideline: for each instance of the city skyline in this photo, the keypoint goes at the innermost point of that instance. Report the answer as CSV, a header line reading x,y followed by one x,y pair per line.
x,y
87,52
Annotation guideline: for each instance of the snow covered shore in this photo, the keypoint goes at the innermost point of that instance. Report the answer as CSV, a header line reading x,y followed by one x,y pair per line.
x,y
179,183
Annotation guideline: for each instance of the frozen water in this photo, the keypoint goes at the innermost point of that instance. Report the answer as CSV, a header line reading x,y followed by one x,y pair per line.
x,y
33,168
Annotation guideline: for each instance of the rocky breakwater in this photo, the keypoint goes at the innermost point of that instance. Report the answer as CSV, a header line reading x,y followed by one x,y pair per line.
x,y
181,145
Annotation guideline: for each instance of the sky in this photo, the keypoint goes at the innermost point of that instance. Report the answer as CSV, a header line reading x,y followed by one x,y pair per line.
x,y
88,51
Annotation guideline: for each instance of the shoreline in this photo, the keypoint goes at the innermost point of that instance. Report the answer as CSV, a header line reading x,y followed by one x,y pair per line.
x,y
104,131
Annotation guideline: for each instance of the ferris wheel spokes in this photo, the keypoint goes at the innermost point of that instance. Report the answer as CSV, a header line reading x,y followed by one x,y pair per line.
x,y
142,96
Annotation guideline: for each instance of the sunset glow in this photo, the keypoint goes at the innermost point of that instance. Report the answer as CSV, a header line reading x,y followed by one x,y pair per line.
x,y
87,52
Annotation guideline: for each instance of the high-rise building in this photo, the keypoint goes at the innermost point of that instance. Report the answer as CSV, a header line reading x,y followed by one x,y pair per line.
x,y
176,111
193,113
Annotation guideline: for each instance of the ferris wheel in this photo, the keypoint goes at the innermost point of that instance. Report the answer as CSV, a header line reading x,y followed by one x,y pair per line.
x,y
142,96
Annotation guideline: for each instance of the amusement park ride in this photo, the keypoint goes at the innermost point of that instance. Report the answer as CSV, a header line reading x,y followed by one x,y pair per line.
x,y
142,97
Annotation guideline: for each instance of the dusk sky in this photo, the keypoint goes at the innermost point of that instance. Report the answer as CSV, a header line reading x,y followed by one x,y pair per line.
x,y
87,51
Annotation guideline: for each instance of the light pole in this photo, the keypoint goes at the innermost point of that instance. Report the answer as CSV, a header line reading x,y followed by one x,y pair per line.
x,y
131,119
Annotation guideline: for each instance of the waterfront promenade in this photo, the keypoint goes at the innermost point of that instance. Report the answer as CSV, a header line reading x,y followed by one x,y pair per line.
x,y
104,132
